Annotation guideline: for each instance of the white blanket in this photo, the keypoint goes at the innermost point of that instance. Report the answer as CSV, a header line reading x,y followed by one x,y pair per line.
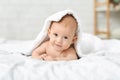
x,y
18,67
103,64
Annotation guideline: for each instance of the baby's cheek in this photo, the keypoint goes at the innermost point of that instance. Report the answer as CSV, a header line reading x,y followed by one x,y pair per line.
x,y
52,40
68,44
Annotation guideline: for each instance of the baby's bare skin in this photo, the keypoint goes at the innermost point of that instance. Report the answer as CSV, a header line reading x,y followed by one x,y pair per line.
x,y
68,54
59,46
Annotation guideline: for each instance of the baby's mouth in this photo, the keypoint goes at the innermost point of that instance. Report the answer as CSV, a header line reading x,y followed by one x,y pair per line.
x,y
58,45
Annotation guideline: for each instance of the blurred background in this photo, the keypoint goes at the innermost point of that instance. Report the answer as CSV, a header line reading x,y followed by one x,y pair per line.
x,y
23,19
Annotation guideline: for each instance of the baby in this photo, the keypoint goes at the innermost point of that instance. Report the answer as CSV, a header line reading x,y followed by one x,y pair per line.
x,y
62,36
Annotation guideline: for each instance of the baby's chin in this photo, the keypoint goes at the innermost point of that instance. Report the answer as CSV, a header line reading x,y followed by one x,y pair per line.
x,y
58,48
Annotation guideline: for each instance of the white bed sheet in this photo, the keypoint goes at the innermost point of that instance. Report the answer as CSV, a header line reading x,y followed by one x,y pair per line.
x,y
15,46
18,67
103,66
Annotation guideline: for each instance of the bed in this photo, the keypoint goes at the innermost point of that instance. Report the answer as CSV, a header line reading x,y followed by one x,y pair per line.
x,y
99,65
100,59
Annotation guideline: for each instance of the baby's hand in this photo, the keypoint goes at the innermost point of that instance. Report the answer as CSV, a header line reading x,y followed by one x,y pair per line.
x,y
43,56
48,58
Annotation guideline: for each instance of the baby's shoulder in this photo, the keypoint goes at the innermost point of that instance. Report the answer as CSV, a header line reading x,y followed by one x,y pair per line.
x,y
70,50
45,43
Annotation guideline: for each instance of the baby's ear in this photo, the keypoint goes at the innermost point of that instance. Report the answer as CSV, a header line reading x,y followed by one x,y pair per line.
x,y
74,39
48,32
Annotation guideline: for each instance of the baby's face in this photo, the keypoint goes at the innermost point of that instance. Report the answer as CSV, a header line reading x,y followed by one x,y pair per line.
x,y
62,34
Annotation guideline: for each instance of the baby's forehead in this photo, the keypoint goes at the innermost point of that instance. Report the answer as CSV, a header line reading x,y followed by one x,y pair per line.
x,y
68,17
67,21
64,28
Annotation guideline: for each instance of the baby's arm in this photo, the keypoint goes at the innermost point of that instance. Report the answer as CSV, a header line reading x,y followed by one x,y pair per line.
x,y
70,54
39,51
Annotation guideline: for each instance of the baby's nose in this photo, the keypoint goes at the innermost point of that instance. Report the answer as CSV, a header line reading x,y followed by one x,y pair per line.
x,y
59,39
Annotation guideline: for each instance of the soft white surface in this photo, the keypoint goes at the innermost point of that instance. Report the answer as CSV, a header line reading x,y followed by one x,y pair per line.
x,y
102,64
18,67
89,44
16,46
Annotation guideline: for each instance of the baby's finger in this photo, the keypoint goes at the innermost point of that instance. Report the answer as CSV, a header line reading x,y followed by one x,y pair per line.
x,y
44,55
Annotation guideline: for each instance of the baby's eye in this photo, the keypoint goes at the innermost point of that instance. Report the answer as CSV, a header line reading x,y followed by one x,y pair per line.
x,y
55,34
65,37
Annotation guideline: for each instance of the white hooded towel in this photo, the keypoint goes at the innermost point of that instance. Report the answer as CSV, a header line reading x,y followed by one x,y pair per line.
x,y
85,43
